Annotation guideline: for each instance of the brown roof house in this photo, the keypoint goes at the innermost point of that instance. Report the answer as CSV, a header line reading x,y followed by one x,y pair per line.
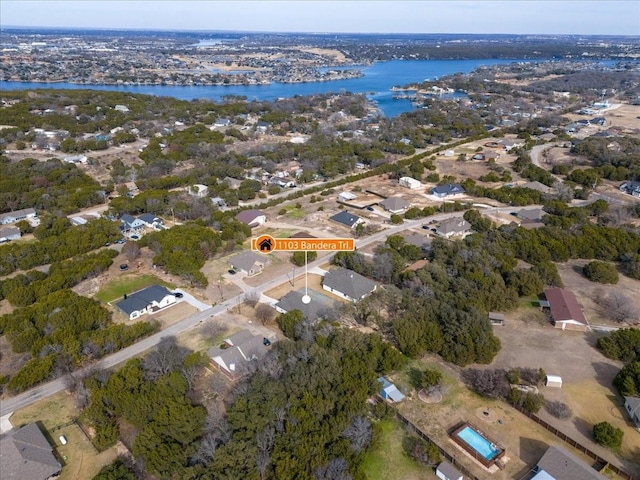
x,y
566,312
253,218
558,464
26,454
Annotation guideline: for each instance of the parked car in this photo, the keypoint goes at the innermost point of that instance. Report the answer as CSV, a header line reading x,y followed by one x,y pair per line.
x,y
232,271
135,237
124,266
266,342
370,209
178,294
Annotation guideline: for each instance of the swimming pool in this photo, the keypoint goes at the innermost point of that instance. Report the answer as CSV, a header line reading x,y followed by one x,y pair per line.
x,y
480,444
477,444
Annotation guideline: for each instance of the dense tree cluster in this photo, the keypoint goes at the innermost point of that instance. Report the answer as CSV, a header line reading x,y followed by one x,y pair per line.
x,y
51,185
25,289
627,381
62,331
601,272
58,241
606,434
623,344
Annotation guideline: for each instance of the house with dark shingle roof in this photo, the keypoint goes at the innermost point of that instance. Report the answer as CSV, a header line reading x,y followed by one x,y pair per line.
x,y
150,220
558,464
129,223
293,301
248,262
26,454
348,284
347,219
453,226
566,313
632,406
149,300
450,189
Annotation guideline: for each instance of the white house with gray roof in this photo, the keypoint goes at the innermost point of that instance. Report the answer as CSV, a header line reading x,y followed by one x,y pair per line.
x,y
17,215
448,190
348,284
453,226
9,233
632,406
249,262
26,454
236,353
394,204
293,301
558,464
149,300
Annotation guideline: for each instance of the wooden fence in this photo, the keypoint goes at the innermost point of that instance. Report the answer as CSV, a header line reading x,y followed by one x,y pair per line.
x,y
565,438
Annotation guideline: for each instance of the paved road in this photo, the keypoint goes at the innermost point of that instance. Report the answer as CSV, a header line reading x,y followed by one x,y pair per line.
x,y
45,390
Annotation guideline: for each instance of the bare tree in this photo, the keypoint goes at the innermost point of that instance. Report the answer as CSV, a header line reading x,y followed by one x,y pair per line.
x,y
211,329
264,313
558,409
252,298
618,307
165,359
336,469
359,432
264,443
131,250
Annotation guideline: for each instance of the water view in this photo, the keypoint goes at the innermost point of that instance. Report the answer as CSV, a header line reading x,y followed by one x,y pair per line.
x,y
376,83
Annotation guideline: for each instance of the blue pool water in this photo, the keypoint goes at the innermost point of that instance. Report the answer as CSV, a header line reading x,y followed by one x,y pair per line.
x,y
478,443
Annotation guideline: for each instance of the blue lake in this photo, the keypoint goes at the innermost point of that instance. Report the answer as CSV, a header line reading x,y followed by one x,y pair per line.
x,y
376,83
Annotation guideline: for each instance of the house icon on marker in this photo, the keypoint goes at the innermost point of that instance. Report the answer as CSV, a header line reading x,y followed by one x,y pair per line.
x,y
266,245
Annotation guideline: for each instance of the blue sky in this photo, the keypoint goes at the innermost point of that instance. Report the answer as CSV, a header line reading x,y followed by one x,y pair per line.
x,y
590,17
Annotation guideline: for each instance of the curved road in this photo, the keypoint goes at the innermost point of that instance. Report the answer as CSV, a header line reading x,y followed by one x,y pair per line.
x,y
47,389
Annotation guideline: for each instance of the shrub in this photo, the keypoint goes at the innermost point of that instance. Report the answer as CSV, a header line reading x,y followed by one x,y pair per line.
x,y
601,272
396,219
607,435
558,409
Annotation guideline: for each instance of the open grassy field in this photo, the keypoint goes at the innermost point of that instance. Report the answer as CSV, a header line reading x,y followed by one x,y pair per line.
x,y
127,284
387,460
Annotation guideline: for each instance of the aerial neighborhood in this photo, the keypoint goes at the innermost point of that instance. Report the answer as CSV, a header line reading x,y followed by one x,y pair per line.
x,y
163,313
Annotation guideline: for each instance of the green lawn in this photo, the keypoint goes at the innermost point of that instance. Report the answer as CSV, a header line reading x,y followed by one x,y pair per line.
x,y
387,461
127,284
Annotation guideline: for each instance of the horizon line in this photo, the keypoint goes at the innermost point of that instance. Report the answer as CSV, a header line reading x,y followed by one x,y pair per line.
x,y
181,30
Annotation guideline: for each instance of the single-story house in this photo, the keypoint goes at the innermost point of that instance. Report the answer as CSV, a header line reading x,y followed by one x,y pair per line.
x,y
248,262
510,144
76,159
262,126
395,204
553,381
17,215
632,406
347,219
348,284
282,182
236,353
132,189
149,300
293,301
346,196
26,454
150,220
302,234
448,190
9,233
632,188
446,471
389,391
453,226
559,464
531,215
566,313
129,223
410,183
253,218
222,122
199,190
218,202
421,241
79,221
496,318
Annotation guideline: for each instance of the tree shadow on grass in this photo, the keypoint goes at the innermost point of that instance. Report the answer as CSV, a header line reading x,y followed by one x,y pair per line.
x,y
605,373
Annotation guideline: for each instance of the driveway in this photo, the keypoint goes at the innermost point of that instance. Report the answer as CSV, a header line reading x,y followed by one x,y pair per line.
x,y
191,300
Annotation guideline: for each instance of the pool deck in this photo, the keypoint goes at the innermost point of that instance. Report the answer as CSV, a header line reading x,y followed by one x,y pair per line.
x,y
488,464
